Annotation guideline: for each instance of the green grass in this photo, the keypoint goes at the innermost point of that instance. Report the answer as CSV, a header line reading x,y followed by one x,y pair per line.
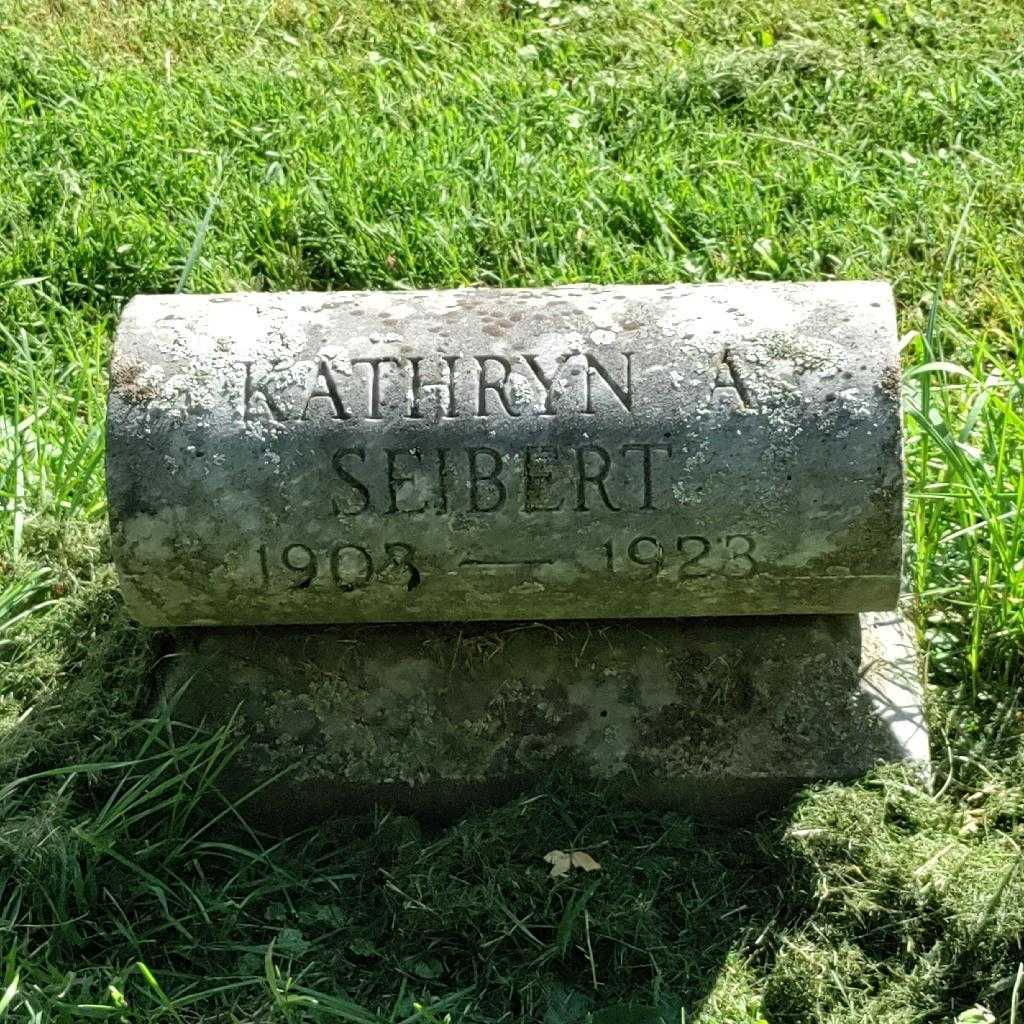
x,y
149,146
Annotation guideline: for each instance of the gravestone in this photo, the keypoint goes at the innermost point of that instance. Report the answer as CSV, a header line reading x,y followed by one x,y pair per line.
x,y
433,545
512,454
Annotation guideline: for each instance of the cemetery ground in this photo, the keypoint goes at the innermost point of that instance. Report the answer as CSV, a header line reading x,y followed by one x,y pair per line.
x,y
284,144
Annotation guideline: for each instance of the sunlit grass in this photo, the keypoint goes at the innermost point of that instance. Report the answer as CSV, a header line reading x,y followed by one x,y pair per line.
x,y
966,458
307,144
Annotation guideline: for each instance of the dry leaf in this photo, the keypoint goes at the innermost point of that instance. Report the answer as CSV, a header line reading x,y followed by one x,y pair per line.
x,y
561,862
585,861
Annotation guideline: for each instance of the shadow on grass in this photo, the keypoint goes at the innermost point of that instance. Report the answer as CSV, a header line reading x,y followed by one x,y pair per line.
x,y
810,914
852,899
130,855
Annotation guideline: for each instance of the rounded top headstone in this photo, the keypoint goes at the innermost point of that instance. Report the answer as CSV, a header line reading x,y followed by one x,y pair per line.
x,y
620,451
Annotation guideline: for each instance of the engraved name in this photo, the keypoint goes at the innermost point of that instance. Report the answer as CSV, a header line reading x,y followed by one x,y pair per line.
x,y
444,387
626,477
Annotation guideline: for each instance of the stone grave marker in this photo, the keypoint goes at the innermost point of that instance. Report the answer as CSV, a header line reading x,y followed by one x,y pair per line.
x,y
705,480
567,452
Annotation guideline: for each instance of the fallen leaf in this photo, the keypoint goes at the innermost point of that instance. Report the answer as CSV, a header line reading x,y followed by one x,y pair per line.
x,y
561,862
584,861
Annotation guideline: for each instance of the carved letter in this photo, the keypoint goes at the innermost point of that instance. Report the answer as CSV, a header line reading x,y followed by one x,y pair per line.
x,y
537,471
357,485
546,382
418,384
374,363
476,478
258,403
597,478
623,393
729,385
647,449
330,391
497,386
395,480
442,479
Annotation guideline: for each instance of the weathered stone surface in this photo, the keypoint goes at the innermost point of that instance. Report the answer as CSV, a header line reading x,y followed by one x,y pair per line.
x,y
510,454
721,717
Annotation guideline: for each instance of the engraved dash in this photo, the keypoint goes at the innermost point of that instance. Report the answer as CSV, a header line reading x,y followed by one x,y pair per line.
x,y
484,563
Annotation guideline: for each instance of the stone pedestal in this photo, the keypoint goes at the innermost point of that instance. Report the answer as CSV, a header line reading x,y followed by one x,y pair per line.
x,y
720,717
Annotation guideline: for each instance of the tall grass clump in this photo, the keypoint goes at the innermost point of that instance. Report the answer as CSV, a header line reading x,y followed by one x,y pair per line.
x,y
966,460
